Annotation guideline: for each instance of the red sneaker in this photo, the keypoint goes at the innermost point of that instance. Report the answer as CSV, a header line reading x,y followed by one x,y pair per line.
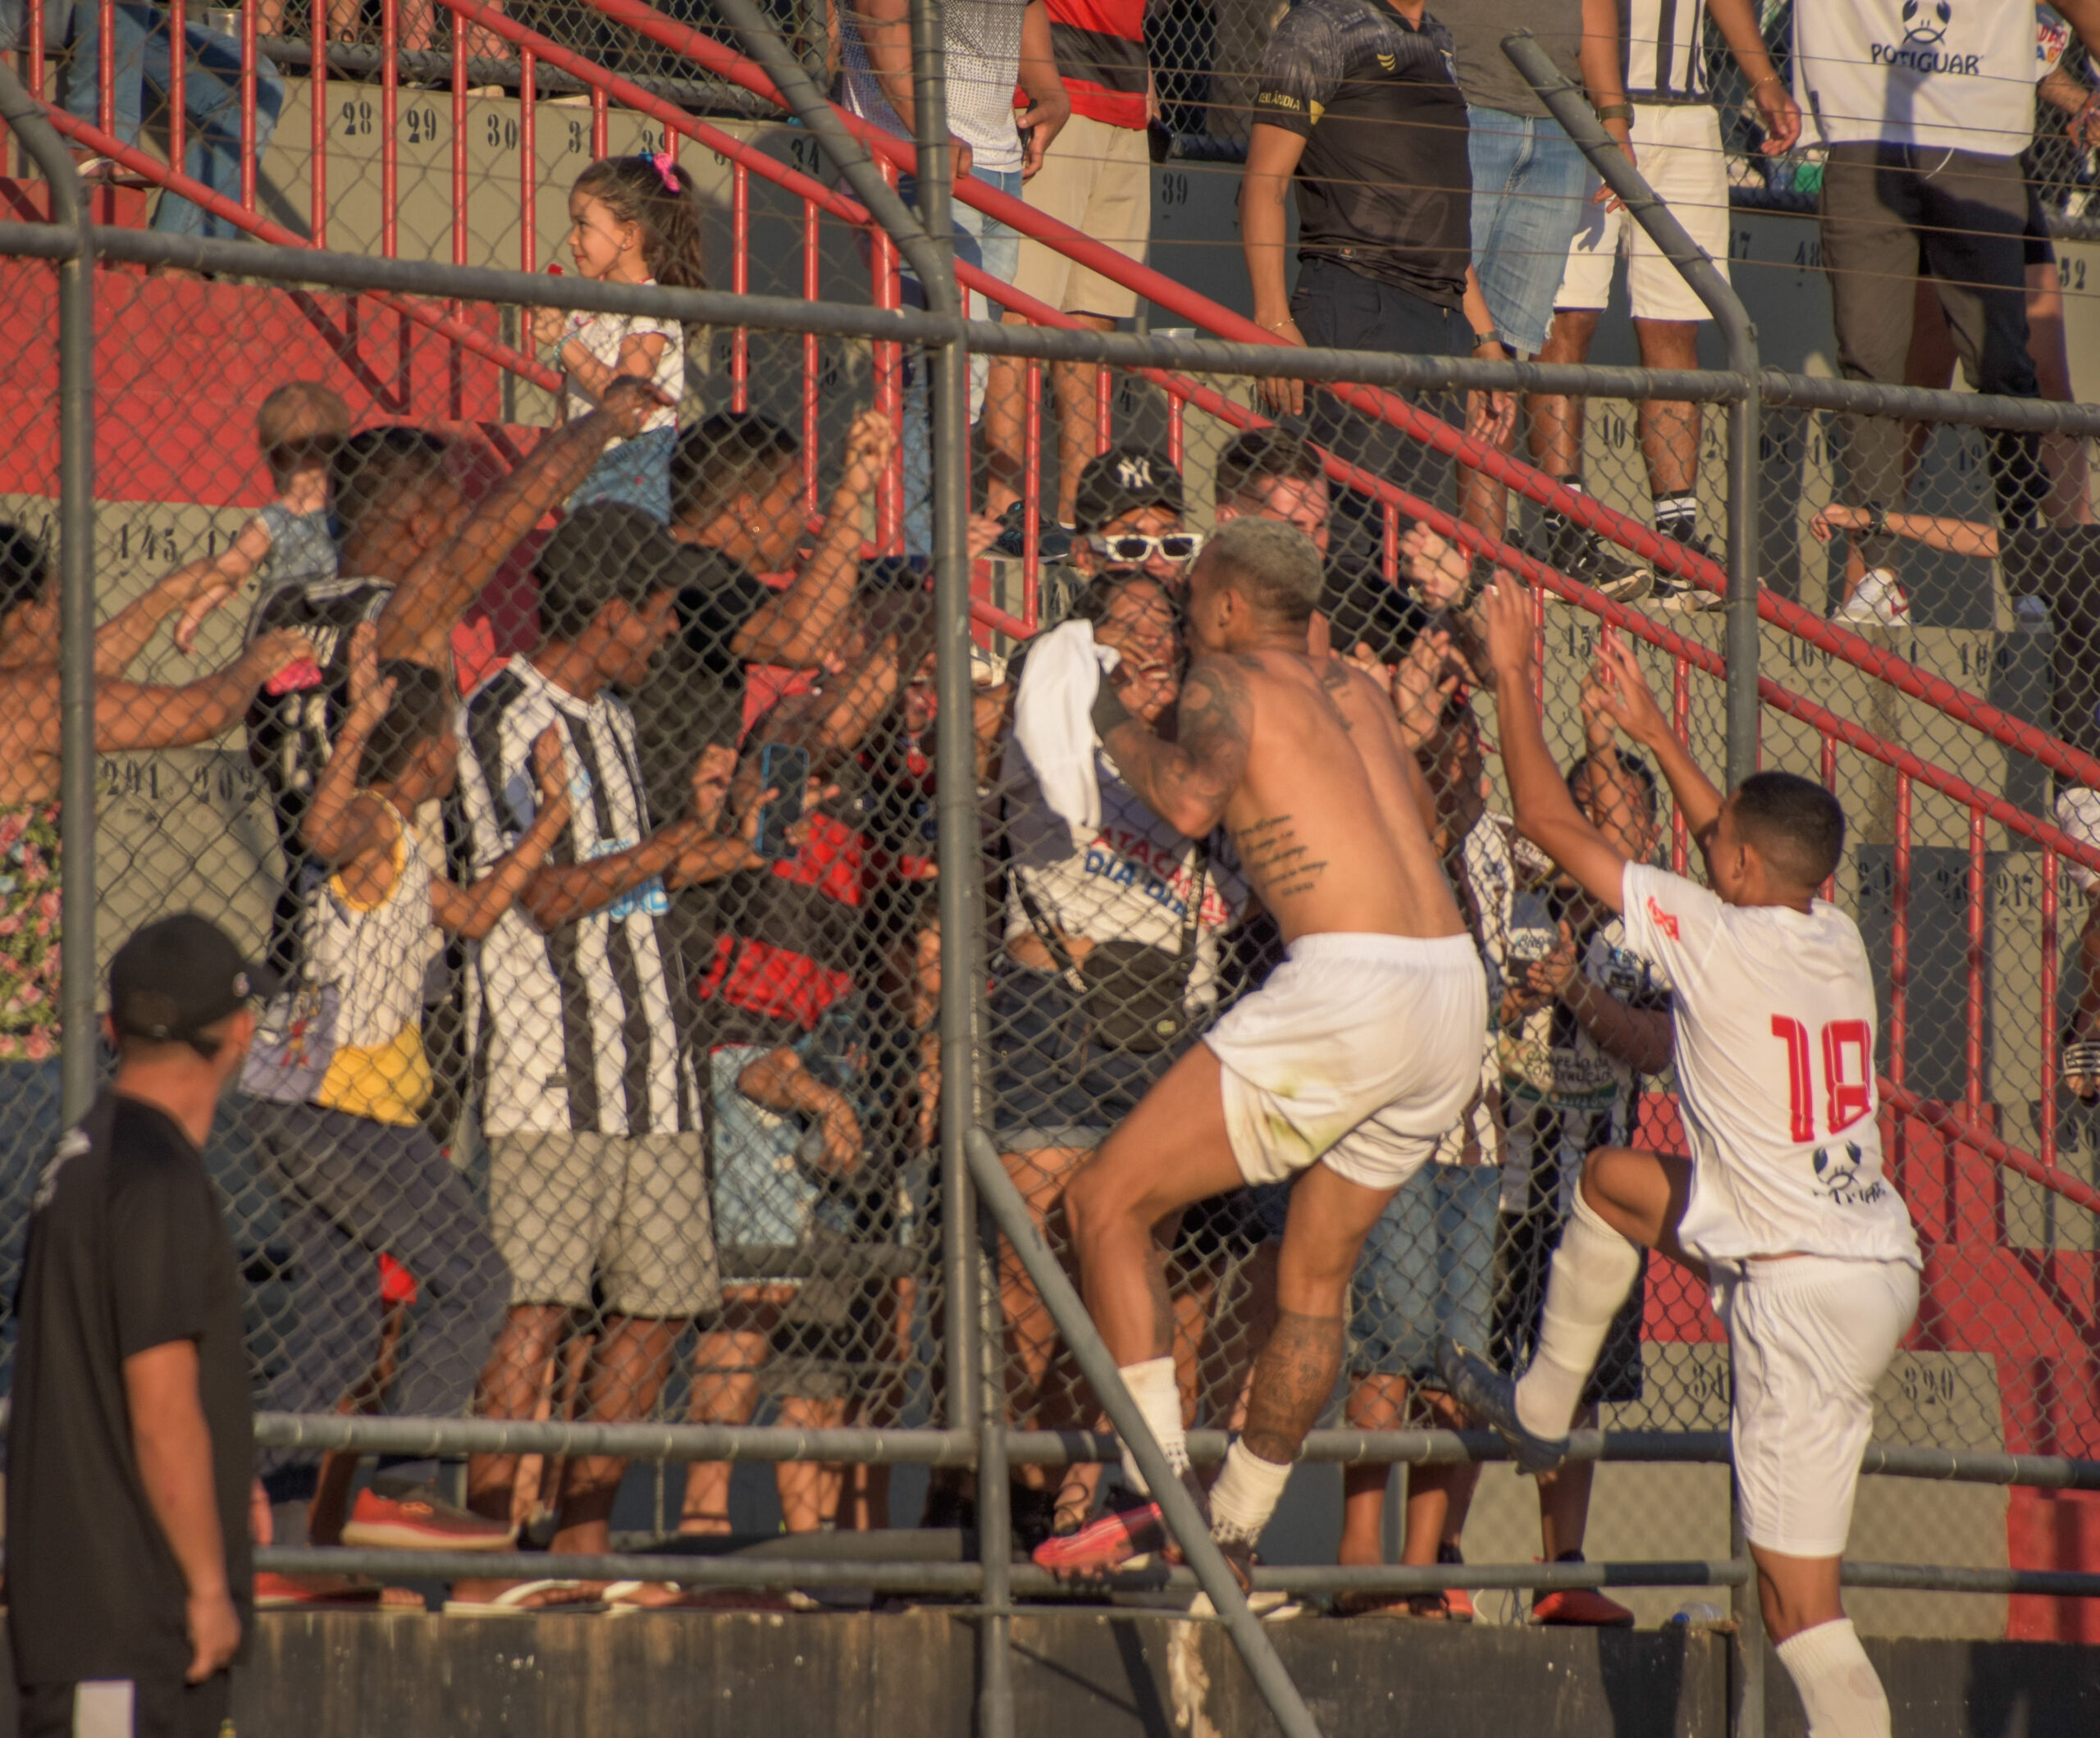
x,y
1105,1542
1582,1607
275,1592
1457,1602
417,1523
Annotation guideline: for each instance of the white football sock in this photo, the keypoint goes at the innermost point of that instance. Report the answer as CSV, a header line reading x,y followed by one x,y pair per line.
x,y
1839,1689
1593,1270
1246,1495
1152,1385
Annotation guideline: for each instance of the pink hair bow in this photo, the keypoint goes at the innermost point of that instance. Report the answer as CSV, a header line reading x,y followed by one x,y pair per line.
x,y
662,163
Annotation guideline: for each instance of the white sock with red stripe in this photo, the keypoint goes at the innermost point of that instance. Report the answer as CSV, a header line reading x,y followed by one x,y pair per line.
x,y
1152,1384
1593,1270
1840,1690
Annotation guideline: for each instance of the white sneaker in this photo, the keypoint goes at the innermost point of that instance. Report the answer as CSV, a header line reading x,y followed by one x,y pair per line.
x,y
1880,601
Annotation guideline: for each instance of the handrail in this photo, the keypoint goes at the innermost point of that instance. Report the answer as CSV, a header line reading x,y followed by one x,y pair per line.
x,y
174,180
1841,642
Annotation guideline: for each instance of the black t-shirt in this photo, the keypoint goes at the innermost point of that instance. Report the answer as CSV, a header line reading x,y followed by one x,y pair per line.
x,y
694,693
1385,184
126,1252
290,734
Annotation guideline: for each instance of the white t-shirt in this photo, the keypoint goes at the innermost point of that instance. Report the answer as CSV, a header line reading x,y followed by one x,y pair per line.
x,y
2078,813
1129,883
602,335
1957,75
983,40
2051,37
1775,1024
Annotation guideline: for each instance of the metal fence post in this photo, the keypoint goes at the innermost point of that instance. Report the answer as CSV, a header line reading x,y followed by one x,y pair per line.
x,y
926,240
1184,1520
1571,109
76,593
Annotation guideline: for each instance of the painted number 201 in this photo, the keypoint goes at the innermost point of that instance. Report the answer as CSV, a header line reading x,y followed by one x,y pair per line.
x,y
1848,1072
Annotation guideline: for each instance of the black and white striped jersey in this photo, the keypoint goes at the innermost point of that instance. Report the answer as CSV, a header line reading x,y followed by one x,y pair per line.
x,y
579,1027
1663,47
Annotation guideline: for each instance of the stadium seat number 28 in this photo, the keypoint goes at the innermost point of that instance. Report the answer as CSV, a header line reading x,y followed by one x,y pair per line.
x,y
1847,1074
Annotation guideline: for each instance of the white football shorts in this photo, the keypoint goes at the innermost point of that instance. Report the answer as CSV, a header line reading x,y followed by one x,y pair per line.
x,y
1360,1052
1809,1336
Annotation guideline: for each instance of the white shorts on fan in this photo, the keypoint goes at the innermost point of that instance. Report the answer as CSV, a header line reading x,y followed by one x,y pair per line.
x,y
1359,1052
1809,1337
1678,146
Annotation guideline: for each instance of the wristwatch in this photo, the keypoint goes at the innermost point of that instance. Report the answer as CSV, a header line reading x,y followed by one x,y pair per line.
x,y
1877,520
1615,112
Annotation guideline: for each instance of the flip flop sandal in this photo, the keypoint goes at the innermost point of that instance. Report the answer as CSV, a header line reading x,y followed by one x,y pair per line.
x,y
621,1600
1425,1607
513,1601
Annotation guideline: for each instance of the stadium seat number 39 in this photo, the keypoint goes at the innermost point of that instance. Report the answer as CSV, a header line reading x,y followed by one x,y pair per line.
x,y
1847,1074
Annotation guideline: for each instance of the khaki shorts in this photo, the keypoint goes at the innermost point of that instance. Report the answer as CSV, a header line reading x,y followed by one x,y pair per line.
x,y
630,1210
1096,178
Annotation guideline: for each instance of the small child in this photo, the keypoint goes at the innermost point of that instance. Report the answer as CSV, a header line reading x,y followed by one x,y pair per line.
x,y
298,428
632,220
338,1077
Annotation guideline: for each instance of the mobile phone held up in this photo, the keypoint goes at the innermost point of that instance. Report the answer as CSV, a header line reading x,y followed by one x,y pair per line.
x,y
786,769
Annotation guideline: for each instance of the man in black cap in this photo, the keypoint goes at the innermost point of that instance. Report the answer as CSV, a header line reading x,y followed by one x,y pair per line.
x,y
1129,519
130,1447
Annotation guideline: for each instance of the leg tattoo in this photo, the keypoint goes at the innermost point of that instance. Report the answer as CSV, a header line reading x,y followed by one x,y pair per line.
x,y
1293,1378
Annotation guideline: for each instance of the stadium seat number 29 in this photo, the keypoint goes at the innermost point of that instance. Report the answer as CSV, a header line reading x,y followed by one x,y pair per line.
x,y
1847,1074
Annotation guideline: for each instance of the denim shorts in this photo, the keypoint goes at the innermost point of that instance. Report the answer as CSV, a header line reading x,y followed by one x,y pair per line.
x,y
1529,185
1052,1085
1426,1269
635,473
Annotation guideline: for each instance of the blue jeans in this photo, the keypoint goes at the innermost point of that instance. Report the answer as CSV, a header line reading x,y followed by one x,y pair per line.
x,y
1427,1269
29,1114
1529,185
349,1190
980,241
1052,1084
211,94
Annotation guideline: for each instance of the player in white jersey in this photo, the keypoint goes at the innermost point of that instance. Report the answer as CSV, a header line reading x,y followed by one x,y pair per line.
x,y
1783,1204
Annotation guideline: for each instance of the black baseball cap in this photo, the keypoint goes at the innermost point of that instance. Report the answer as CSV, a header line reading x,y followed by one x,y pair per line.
x,y
177,978
1122,480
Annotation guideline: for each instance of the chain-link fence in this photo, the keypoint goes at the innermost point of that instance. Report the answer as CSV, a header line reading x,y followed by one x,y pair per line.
x,y
626,975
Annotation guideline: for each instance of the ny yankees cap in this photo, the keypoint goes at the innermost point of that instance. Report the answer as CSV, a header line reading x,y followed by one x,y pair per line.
x,y
1122,480
177,978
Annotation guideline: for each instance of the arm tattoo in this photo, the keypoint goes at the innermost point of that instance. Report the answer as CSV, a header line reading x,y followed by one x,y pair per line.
x,y
1187,782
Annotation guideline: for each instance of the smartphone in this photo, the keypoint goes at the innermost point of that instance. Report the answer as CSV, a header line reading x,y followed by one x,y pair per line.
x,y
786,769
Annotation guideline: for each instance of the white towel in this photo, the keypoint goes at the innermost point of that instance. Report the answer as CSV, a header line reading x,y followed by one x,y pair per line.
x,y
1053,723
